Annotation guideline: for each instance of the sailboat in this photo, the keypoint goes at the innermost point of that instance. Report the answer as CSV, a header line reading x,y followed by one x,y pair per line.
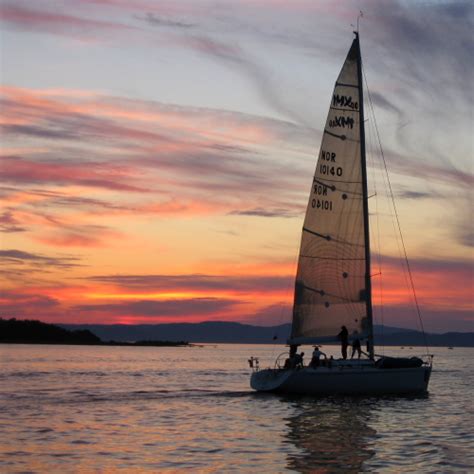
x,y
333,280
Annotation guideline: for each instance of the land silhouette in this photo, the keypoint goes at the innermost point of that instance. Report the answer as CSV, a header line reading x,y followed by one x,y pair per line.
x,y
182,334
213,332
14,331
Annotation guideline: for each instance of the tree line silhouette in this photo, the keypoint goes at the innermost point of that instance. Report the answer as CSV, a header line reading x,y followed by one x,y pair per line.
x,y
31,332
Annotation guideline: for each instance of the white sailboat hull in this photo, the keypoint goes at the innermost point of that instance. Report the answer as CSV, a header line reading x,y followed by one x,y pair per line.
x,y
343,380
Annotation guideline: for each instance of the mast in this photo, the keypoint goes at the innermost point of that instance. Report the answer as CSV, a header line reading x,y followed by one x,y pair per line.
x,y
365,201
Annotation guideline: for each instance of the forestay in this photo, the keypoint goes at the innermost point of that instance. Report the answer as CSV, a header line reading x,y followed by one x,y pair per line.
x,y
331,283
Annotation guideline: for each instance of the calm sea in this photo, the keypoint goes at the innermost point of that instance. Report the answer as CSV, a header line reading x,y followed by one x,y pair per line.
x,y
133,409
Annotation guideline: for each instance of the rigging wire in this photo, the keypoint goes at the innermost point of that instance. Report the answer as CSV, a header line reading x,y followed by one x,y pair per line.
x,y
410,276
282,319
374,164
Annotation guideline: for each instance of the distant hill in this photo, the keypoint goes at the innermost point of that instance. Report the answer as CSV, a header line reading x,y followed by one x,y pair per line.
x,y
208,332
14,331
230,332
35,332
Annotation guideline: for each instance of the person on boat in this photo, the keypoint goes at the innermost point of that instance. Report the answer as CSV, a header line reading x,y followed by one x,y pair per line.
x,y
316,357
343,336
299,361
291,362
293,350
356,346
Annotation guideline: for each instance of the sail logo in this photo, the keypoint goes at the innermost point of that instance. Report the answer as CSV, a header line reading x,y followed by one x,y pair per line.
x,y
344,101
341,121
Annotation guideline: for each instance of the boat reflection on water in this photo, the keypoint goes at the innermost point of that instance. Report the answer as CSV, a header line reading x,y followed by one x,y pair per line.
x,y
332,435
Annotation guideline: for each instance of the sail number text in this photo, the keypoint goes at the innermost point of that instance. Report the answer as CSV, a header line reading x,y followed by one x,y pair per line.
x,y
328,167
321,204
332,170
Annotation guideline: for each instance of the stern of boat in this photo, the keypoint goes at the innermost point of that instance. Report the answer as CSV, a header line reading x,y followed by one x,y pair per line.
x,y
268,380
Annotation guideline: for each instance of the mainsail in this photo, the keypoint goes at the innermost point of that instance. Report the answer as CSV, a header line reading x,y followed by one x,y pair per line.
x,y
332,286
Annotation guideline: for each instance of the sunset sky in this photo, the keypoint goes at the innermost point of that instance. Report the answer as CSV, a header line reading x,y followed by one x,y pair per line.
x,y
156,156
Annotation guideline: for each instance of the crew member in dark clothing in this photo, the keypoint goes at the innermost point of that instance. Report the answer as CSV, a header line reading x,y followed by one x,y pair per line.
x,y
299,360
293,350
356,347
292,360
343,336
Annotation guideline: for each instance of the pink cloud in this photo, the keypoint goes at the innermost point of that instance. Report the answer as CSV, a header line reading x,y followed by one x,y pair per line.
x,y
19,170
52,22
64,238
9,223
196,150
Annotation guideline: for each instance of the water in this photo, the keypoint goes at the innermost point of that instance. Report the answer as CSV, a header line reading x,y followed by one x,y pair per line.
x,y
133,409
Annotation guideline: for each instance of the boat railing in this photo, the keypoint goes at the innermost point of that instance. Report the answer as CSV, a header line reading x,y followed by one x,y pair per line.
x,y
254,363
427,359
280,361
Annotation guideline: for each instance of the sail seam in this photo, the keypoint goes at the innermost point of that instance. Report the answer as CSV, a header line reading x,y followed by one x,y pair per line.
x,y
341,137
323,293
341,84
327,237
331,187
343,109
340,181
330,258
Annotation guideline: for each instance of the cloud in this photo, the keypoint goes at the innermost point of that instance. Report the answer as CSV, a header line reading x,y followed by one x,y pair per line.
x,y
62,199
26,305
433,29
79,236
44,21
19,257
260,212
39,132
155,20
415,195
272,315
198,151
464,231
162,309
445,173
8,223
234,56
434,320
208,283
433,280
381,101
15,169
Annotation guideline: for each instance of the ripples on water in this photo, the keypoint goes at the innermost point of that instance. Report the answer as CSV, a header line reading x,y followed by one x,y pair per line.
x,y
106,409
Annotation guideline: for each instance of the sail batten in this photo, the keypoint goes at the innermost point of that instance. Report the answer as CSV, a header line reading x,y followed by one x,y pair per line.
x,y
331,287
340,84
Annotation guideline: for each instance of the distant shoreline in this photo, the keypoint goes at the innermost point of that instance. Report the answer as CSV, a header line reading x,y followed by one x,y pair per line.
x,y
109,343
15,331
221,332
205,344
211,332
